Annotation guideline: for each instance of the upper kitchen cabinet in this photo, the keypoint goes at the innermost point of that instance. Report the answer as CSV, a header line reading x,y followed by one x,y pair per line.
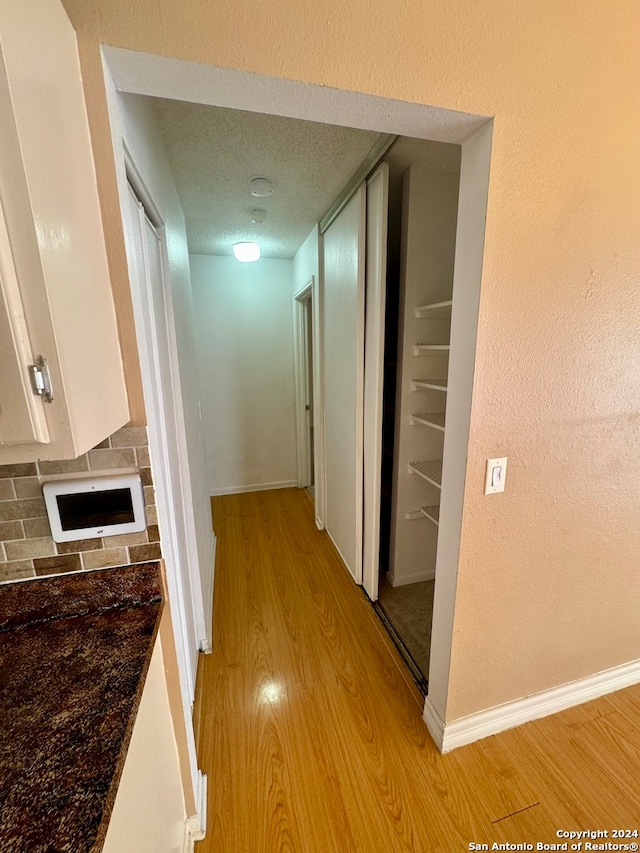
x,y
62,388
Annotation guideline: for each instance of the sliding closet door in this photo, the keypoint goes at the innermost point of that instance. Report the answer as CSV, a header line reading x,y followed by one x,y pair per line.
x,y
376,295
344,271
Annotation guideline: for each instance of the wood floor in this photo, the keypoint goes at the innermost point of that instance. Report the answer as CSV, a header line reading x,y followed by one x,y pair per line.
x,y
311,733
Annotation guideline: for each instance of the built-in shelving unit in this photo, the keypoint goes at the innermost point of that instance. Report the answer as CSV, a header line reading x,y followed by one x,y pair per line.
x,y
429,227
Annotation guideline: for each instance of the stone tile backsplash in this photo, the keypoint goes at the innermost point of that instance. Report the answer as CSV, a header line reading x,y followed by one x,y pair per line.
x,y
26,547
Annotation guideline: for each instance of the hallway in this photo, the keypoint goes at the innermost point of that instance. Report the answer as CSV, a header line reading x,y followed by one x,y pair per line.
x,y
311,733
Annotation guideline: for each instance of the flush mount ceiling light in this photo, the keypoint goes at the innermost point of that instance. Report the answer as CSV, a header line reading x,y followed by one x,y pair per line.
x,y
246,252
258,216
260,187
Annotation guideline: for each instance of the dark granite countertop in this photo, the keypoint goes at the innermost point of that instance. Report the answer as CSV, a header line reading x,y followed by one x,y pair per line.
x,y
74,653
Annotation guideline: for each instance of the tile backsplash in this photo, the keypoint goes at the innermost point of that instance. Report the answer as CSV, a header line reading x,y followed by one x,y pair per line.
x,y
26,547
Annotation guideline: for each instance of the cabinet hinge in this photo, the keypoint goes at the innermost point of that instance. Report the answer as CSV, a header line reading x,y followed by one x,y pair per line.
x,y
41,380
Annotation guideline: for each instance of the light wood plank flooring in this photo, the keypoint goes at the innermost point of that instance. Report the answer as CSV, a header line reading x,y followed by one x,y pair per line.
x,y
311,732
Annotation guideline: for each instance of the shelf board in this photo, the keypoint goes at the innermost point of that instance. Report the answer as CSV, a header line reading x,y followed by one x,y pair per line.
x,y
432,513
423,349
435,310
430,470
433,384
430,419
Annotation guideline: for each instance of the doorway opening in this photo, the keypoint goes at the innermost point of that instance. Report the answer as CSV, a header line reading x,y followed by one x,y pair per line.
x,y
303,319
158,77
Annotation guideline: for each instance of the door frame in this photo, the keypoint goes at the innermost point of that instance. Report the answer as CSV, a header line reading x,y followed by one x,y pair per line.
x,y
377,216
302,303
168,77
183,525
145,330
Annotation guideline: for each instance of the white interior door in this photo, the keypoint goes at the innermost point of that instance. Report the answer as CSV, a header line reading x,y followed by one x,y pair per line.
x,y
376,287
344,270
158,369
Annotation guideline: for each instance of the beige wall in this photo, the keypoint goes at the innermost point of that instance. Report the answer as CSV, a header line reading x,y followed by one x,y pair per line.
x,y
549,588
149,811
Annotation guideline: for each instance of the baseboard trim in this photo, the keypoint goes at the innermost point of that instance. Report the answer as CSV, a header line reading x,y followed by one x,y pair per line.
x,y
206,644
255,487
195,827
466,730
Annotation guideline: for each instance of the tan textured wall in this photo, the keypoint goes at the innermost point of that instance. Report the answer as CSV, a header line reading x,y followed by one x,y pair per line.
x,y
549,588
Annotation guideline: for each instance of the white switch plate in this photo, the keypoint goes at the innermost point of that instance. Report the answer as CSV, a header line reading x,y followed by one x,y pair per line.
x,y
495,476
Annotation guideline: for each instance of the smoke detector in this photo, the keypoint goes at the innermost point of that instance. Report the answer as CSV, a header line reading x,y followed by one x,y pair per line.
x,y
260,187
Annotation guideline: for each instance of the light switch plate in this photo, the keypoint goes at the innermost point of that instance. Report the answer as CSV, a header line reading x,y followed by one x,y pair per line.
x,y
495,475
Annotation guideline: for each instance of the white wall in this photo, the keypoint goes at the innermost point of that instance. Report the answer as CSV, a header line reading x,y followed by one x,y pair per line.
x,y
148,814
244,343
142,137
305,261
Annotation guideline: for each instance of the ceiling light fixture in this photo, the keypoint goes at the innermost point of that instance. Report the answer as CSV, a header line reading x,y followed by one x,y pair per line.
x,y
260,187
258,216
246,252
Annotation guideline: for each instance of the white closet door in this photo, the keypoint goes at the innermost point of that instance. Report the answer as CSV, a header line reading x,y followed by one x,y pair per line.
x,y
158,369
344,269
376,293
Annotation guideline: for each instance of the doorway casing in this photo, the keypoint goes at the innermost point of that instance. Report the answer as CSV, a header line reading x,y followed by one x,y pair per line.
x,y
308,403
156,76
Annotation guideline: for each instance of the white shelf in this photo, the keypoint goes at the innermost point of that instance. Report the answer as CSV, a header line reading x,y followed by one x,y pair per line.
x,y
430,470
430,419
433,384
423,349
435,310
432,513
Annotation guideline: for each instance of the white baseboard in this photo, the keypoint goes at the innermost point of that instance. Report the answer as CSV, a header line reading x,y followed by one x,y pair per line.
x,y
319,523
206,644
466,730
418,577
195,827
255,487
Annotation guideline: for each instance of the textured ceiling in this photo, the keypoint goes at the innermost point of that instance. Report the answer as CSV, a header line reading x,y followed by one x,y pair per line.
x,y
214,151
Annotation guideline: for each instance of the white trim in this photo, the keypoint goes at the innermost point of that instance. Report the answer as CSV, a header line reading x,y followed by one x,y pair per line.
x,y
181,80
377,215
466,730
195,827
301,371
253,487
319,448
206,645
467,273
434,722
174,593
359,473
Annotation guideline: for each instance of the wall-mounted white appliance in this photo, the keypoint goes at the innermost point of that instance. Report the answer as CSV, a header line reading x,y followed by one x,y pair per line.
x,y
99,504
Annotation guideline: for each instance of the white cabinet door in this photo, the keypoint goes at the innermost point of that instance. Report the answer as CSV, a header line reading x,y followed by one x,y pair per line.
x,y
21,415
56,291
344,269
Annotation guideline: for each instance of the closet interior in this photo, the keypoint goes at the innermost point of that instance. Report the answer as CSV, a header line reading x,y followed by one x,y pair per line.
x,y
423,205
